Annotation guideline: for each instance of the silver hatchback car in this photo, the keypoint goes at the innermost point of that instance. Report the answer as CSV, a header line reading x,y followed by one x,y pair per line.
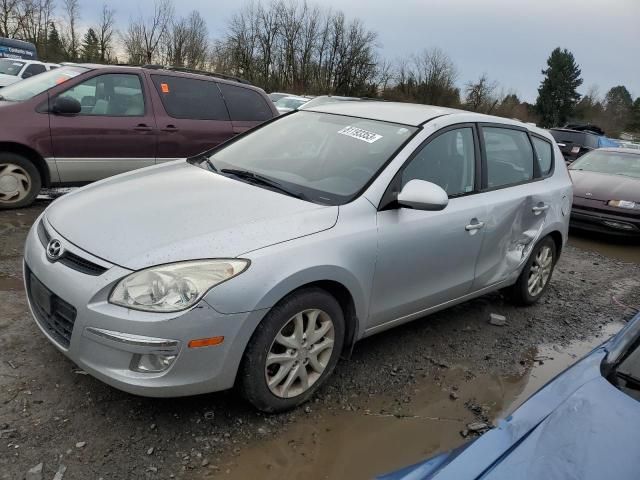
x,y
258,263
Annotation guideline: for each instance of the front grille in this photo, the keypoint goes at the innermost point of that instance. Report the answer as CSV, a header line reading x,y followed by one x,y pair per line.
x,y
69,259
58,317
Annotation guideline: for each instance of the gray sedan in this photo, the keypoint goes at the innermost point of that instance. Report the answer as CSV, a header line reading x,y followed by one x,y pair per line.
x,y
258,263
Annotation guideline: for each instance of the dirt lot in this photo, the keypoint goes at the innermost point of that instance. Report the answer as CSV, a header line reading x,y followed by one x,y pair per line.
x,y
405,394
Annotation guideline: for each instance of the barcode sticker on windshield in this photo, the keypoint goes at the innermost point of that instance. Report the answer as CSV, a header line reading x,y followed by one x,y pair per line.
x,y
360,134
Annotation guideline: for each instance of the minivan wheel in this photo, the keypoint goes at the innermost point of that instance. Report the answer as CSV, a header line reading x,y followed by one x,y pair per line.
x,y
536,274
293,350
19,181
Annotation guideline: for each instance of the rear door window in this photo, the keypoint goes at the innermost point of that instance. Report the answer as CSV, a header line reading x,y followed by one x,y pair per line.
x,y
245,104
544,153
509,156
190,98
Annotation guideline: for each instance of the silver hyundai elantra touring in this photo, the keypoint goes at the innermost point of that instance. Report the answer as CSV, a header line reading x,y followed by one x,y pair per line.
x,y
258,263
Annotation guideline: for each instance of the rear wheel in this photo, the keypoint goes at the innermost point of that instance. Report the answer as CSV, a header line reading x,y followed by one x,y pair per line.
x,y
294,349
20,181
536,274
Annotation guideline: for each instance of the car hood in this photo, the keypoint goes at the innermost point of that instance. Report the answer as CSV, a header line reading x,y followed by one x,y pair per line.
x,y
577,426
7,79
178,211
602,186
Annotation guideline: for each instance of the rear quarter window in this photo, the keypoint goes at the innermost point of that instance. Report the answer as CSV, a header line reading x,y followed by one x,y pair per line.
x,y
544,154
245,104
190,98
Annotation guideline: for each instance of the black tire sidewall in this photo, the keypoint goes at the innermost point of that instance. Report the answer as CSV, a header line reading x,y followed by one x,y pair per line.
x,y
32,170
522,285
253,382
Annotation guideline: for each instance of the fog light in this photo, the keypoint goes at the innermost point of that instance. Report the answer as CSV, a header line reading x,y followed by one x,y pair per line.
x,y
151,363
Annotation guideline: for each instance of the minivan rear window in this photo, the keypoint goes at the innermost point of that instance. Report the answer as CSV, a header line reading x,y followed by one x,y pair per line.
x,y
245,104
190,98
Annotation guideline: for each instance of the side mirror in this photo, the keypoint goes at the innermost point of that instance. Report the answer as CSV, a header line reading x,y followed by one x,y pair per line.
x,y
66,106
422,195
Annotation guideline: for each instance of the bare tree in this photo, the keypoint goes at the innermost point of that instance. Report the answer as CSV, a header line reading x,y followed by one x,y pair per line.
x,y
34,18
9,18
105,31
480,95
70,37
143,35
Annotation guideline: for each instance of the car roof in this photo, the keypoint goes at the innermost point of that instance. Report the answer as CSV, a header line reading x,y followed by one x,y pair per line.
x,y
632,151
168,71
411,114
586,132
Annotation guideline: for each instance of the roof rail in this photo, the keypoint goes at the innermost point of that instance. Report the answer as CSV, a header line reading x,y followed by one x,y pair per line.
x,y
198,72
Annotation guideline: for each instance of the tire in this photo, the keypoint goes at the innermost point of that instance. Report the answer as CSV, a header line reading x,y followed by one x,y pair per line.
x,y
20,181
291,360
521,293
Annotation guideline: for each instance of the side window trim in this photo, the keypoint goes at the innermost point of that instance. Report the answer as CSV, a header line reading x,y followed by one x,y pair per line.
x,y
553,156
141,79
388,199
483,149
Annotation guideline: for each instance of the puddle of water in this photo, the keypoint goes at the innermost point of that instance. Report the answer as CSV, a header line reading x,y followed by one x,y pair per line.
x,y
626,250
361,444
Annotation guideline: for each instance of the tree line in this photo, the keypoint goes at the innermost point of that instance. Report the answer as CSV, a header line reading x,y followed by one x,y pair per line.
x,y
300,47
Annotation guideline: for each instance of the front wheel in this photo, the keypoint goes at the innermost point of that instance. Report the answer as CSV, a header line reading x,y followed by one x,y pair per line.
x,y
536,274
293,350
19,181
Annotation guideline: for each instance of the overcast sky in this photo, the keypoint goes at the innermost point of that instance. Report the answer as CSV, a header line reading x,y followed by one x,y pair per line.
x,y
510,40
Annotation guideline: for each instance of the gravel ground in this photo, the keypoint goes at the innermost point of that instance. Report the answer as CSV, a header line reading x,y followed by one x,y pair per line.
x,y
52,413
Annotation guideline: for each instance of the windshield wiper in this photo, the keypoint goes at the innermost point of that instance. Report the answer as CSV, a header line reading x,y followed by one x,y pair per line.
x,y
262,180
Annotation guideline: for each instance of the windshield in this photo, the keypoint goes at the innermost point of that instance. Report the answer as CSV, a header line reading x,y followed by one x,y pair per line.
x,y
37,84
612,163
292,103
325,158
10,67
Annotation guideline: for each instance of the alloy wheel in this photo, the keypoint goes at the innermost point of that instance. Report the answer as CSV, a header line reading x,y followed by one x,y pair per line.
x,y
540,271
300,353
15,183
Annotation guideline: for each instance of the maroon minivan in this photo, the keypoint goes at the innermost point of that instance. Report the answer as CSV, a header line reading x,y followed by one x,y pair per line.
x,y
81,123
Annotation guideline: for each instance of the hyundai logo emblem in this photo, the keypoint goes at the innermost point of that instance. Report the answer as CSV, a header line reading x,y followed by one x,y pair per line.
x,y
54,250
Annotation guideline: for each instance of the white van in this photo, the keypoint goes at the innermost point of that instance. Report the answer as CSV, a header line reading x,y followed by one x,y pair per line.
x,y
13,70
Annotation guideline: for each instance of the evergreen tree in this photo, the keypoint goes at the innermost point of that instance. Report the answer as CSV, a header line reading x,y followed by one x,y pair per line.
x,y
557,94
55,49
90,47
634,121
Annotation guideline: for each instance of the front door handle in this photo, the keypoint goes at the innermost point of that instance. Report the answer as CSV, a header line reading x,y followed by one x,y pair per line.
x,y
142,128
474,226
541,207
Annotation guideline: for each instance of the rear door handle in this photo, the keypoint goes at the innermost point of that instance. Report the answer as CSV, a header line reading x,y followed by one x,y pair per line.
x,y
169,128
474,226
541,207
142,128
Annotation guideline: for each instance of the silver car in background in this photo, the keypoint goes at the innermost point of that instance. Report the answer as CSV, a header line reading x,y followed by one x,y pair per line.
x,y
258,263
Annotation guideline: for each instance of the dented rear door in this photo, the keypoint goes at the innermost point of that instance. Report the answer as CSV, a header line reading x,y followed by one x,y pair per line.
x,y
517,203
514,221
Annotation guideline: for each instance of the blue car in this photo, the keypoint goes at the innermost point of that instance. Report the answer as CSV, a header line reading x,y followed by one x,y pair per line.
x,y
584,424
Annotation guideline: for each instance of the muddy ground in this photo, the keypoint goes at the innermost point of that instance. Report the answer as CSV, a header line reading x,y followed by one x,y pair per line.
x,y
405,394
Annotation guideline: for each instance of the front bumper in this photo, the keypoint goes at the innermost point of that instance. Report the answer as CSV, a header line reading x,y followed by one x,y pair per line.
x,y
104,339
602,222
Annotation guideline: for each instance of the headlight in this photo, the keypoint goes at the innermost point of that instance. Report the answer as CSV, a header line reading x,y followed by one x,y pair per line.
x,y
623,204
175,286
